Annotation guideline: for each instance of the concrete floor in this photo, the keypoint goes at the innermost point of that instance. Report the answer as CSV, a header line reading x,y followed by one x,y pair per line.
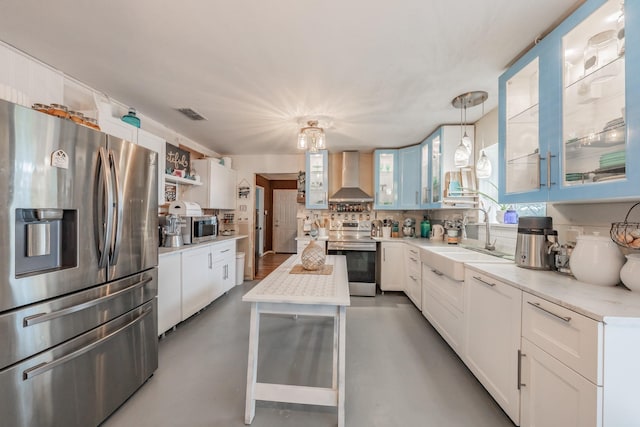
x,y
399,371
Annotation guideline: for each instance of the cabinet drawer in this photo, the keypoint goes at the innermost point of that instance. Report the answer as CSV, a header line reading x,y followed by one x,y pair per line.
x,y
570,337
223,249
449,290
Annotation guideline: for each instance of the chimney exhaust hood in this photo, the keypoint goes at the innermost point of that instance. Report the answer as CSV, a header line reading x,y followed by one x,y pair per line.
x,y
350,190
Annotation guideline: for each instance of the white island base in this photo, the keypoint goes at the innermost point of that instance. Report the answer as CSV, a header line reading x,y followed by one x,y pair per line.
x,y
304,295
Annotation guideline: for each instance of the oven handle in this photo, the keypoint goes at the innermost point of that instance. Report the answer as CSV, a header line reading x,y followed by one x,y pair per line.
x,y
354,248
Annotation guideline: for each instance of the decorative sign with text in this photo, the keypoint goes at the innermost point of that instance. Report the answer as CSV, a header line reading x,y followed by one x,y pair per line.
x,y
177,160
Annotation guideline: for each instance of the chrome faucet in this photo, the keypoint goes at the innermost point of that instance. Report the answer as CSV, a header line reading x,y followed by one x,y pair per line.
x,y
487,244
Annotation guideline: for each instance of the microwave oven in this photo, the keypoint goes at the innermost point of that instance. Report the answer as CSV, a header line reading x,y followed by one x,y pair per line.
x,y
199,229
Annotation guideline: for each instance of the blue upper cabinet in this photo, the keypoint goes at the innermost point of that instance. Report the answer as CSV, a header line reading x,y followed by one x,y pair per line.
x,y
386,179
425,174
317,180
409,168
569,110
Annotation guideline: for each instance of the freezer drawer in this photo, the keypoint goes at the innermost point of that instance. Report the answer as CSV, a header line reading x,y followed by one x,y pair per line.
x,y
35,328
81,382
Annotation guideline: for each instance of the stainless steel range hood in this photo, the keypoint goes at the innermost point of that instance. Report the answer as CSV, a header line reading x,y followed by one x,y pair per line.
x,y
350,190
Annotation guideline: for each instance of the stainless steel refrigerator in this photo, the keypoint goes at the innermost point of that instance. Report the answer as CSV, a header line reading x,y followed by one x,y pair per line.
x,y
78,270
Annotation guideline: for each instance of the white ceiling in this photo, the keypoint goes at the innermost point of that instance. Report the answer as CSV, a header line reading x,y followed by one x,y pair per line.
x,y
385,72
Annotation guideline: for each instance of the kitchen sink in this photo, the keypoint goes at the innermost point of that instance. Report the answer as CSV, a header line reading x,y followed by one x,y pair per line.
x,y
502,255
450,261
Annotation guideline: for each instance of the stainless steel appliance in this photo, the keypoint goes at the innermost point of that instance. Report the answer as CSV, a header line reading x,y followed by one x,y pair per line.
x,y
535,242
350,236
78,257
172,232
409,227
199,229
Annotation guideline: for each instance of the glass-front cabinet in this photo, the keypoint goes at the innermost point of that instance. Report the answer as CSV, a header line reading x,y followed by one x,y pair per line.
x,y
593,107
522,143
570,112
409,168
425,174
317,180
386,179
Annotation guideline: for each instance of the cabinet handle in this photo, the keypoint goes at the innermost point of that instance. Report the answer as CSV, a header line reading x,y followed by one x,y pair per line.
x,y
210,261
226,250
417,198
413,252
548,160
413,278
384,255
479,279
520,356
413,259
539,307
439,273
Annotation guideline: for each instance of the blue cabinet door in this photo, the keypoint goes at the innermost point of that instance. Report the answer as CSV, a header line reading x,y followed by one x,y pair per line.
x,y
409,169
588,114
386,179
317,180
425,173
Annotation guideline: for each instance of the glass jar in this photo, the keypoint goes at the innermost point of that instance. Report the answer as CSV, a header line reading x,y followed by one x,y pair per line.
x,y
76,117
131,118
58,110
43,108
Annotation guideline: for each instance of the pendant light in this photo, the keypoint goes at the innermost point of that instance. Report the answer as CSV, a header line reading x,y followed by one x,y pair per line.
x,y
483,165
311,137
464,150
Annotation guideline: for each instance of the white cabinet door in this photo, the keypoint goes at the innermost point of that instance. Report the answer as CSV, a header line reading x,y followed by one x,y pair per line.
x,y
169,292
492,338
224,267
197,280
554,395
159,145
412,276
219,278
443,305
391,266
118,128
219,185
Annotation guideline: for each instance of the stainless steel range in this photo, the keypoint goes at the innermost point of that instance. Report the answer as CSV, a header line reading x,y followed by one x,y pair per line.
x,y
350,235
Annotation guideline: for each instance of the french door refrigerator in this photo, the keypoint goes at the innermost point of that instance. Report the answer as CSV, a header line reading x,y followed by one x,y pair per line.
x,y
78,270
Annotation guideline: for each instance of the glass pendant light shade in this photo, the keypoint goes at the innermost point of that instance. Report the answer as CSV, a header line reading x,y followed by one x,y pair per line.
x,y
461,156
466,141
302,141
320,142
483,166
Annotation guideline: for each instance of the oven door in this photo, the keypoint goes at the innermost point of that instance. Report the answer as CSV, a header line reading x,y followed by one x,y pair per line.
x,y
361,266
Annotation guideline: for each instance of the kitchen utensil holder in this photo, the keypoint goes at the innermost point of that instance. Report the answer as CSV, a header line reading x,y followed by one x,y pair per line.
x,y
626,234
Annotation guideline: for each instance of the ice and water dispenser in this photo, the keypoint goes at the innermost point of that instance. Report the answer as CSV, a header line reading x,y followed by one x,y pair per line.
x,y
45,240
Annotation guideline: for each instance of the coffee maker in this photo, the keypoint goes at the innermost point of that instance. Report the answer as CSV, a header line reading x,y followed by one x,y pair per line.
x,y
536,243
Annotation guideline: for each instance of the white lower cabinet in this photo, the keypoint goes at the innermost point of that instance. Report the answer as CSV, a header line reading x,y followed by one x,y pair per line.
x,y
197,280
391,266
492,338
169,292
443,306
224,267
412,275
552,394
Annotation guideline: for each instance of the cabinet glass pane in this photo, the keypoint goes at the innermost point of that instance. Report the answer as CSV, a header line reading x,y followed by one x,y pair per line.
x,y
436,170
522,145
593,119
424,175
385,179
317,191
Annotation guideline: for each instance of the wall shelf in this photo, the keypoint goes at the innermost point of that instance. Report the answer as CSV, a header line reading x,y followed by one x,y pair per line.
x,y
178,180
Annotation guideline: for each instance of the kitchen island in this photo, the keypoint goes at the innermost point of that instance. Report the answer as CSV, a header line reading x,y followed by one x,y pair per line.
x,y
308,295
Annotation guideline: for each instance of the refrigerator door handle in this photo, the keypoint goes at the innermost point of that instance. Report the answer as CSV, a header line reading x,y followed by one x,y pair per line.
x,y
45,317
41,368
103,229
119,210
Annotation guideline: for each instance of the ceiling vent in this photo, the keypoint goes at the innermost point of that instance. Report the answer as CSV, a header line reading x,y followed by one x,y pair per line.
x,y
191,113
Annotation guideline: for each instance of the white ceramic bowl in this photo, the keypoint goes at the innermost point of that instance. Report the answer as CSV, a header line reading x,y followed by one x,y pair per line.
x,y
630,273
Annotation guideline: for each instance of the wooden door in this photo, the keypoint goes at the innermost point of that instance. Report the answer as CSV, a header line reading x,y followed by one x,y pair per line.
x,y
285,226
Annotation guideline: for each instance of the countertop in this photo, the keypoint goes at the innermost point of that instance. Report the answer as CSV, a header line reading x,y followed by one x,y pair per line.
x,y
219,239
596,302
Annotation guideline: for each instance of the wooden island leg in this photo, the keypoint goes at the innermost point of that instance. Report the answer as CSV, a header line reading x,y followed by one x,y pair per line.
x,y
342,320
252,366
